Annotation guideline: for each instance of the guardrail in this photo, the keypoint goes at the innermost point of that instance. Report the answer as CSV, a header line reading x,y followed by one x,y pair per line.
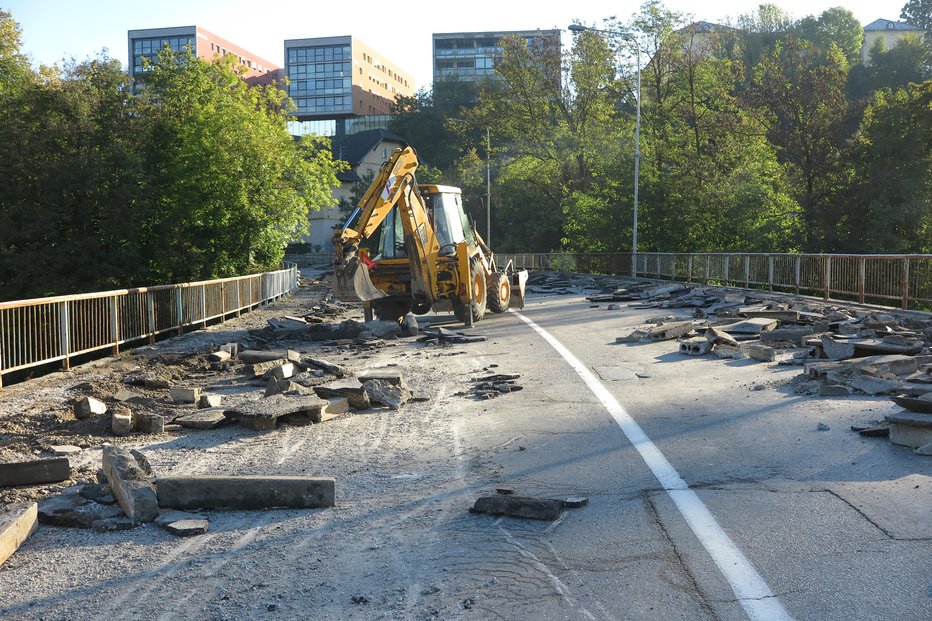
x,y
905,279
45,330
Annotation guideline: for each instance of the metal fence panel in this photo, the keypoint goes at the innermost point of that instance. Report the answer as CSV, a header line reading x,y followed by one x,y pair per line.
x,y
43,330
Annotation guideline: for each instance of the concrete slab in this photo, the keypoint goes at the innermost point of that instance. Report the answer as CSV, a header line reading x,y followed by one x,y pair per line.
x,y
35,472
221,492
910,428
17,522
203,419
263,414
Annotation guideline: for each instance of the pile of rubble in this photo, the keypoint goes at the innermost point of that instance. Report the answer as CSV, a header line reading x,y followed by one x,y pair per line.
x,y
844,350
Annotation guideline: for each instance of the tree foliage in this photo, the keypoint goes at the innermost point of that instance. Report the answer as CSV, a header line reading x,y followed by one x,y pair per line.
x,y
194,178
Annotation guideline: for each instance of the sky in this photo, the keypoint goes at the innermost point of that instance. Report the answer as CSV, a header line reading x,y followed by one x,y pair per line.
x,y
53,30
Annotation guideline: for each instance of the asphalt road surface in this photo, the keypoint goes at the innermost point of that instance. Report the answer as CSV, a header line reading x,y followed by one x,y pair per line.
x,y
712,495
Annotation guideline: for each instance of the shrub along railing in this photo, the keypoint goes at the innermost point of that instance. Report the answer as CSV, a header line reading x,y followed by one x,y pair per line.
x,y
904,279
45,330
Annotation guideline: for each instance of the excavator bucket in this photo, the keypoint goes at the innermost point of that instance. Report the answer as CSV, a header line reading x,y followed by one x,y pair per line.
x,y
518,281
351,282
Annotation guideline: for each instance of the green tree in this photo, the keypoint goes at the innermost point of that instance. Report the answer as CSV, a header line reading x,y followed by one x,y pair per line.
x,y
800,94
888,202
227,186
15,71
918,13
836,26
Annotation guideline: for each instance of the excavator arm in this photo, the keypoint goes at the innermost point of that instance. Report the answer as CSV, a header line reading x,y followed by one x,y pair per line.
x,y
394,187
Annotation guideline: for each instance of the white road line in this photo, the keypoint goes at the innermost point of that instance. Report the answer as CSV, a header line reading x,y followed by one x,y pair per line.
x,y
749,587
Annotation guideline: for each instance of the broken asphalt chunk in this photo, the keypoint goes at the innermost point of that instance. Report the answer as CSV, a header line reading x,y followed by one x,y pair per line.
x,y
385,393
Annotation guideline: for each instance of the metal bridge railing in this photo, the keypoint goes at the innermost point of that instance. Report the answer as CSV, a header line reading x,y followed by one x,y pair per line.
x,y
44,330
905,280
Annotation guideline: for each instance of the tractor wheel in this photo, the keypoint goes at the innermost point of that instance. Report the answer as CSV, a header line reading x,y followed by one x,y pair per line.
x,y
499,292
479,296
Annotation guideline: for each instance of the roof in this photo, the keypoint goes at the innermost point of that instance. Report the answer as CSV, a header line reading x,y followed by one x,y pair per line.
x,y
352,148
888,24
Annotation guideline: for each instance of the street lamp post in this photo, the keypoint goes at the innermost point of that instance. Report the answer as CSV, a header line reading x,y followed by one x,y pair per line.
x,y
637,133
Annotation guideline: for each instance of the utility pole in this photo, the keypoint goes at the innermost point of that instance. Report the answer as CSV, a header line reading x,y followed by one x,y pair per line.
x,y
488,188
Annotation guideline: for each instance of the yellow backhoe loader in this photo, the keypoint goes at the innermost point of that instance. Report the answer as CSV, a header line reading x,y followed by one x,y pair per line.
x,y
411,248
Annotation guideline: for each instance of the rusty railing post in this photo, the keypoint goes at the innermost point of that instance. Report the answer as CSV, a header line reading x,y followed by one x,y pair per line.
x,y
747,271
827,276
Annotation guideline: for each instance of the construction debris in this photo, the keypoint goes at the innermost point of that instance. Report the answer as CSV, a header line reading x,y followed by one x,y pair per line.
x,y
264,414
222,492
131,483
87,407
491,386
442,336
17,522
35,472
383,392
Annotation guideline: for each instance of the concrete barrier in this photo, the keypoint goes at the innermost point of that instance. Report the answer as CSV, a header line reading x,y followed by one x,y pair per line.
x,y
225,492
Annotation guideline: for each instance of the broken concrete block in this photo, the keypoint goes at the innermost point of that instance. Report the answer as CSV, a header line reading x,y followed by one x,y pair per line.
x,y
87,407
518,506
148,422
834,390
17,522
896,364
208,418
337,405
910,428
35,472
786,335
750,326
356,395
636,336
925,449
873,385
669,331
287,387
149,379
391,375
121,421
230,348
210,401
760,352
65,449
836,350
380,391
256,356
780,315
719,337
185,394
282,372
324,365
920,405
262,415
698,346
220,356
260,369
188,528
130,483
220,492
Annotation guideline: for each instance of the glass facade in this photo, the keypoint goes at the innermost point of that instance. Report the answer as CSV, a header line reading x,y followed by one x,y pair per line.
x,y
321,79
470,57
151,46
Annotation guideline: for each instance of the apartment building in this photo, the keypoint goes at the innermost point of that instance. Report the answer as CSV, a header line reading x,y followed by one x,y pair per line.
x,y
147,43
341,77
471,56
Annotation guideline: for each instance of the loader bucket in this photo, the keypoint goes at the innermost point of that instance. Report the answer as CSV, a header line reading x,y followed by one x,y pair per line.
x,y
351,282
518,281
